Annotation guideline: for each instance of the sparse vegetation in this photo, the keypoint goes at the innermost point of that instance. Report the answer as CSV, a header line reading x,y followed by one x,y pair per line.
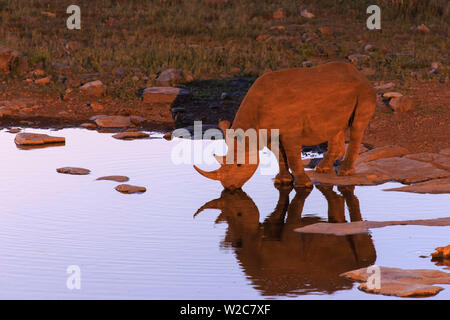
x,y
212,40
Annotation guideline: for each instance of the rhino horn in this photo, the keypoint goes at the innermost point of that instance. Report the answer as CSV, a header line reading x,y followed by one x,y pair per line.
x,y
214,175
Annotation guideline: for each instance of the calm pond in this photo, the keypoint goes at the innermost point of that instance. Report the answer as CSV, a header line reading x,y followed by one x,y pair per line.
x,y
150,245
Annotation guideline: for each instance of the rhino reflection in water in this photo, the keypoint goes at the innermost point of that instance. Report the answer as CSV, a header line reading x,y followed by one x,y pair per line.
x,y
280,261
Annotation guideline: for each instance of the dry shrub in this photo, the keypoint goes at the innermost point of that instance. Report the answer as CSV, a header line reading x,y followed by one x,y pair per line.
x,y
419,7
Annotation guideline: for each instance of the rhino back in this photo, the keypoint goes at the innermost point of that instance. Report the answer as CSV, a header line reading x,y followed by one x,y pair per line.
x,y
315,102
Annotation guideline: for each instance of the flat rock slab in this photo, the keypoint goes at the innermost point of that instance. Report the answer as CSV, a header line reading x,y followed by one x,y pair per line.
x,y
436,186
352,180
32,139
390,163
73,170
128,189
349,228
402,169
401,282
115,178
131,135
382,152
88,125
438,160
113,121
165,95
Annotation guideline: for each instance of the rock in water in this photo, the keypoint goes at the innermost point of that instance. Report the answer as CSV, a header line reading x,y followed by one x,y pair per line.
x,y
435,186
402,169
401,282
128,189
32,139
357,227
365,179
115,178
131,135
73,170
88,125
113,121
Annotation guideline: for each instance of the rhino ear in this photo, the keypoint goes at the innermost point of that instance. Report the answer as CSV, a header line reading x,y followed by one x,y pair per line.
x,y
224,125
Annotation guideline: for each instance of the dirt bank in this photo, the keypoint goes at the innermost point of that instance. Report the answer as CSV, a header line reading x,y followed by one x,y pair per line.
x,y
424,128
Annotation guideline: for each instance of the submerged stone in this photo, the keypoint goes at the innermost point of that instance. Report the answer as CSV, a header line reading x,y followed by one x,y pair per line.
x,y
366,179
14,130
128,189
30,139
73,170
112,121
357,227
131,135
435,186
88,125
400,282
402,169
115,178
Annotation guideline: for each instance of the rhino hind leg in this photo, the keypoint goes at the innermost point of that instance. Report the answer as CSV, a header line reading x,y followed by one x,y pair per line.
x,y
336,149
293,151
363,113
284,177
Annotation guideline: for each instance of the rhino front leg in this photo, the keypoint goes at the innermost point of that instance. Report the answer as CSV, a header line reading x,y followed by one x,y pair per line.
x,y
294,159
336,149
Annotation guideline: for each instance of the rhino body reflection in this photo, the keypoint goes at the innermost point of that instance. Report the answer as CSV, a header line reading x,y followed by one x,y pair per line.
x,y
280,261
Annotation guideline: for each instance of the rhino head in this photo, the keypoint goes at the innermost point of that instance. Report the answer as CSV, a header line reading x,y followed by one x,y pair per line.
x,y
240,162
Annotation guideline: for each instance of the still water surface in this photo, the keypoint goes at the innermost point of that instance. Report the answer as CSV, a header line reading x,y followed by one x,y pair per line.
x,y
150,246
